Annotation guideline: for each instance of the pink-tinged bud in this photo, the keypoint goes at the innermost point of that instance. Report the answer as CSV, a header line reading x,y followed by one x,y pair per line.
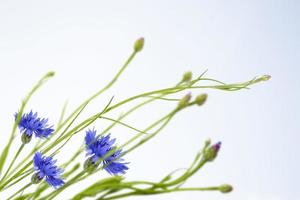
x,y
217,146
184,101
211,153
139,44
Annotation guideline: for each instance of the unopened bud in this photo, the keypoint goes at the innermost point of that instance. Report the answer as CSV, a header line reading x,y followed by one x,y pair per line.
x,y
207,142
50,74
211,153
187,76
225,188
262,78
35,179
184,101
266,77
200,99
139,44
26,138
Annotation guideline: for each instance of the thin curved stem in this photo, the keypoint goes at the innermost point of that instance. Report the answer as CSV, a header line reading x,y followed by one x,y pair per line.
x,y
13,161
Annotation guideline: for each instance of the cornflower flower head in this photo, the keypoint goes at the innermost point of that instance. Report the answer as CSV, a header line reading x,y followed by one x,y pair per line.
x,y
97,148
45,167
30,124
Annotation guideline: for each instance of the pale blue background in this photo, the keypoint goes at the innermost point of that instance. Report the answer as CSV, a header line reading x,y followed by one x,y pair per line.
x,y
86,41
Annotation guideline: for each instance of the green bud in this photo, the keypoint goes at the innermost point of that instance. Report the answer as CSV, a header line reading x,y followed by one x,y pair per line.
x,y
184,101
35,179
89,166
262,78
139,44
25,138
265,77
207,142
187,76
50,74
200,99
225,188
211,153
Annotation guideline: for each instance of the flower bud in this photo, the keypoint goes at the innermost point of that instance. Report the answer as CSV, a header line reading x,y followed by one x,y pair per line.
x,y
26,138
139,44
90,166
184,101
262,78
187,76
225,188
207,142
211,153
35,179
265,77
200,99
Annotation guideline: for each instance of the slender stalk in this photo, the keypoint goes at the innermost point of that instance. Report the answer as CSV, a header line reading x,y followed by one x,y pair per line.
x,y
149,192
13,161
59,190
20,190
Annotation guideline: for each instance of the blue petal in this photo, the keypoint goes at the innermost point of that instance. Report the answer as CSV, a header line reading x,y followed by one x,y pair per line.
x,y
97,148
37,160
90,137
116,168
54,181
30,123
45,166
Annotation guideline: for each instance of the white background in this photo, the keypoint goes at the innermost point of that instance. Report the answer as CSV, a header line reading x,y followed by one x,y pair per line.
x,y
85,42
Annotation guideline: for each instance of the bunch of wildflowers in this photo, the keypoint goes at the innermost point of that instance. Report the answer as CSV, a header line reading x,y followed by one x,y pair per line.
x,y
39,176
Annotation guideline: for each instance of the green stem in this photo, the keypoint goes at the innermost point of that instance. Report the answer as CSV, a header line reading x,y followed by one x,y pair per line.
x,y
59,190
186,175
153,192
115,78
20,190
19,178
13,161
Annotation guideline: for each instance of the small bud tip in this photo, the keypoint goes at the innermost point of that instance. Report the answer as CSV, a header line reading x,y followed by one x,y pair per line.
x,y
187,76
50,74
225,188
207,142
217,146
200,99
266,77
139,44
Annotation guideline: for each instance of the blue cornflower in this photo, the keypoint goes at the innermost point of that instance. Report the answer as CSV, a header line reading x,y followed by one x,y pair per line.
x,y
30,124
97,148
45,167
